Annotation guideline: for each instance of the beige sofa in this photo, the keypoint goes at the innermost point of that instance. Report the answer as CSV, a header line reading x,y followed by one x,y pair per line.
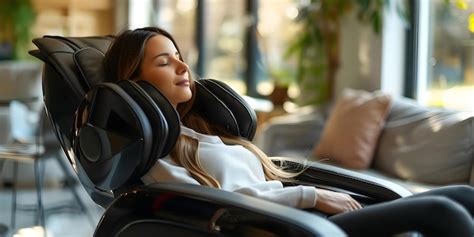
x,y
419,148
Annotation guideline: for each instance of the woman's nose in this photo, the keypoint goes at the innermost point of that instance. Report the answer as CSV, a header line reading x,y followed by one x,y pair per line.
x,y
182,67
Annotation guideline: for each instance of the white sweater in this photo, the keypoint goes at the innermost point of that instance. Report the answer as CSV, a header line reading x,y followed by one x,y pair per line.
x,y
235,168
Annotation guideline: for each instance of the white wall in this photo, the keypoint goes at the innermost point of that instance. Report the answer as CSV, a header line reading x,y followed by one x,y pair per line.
x,y
372,61
360,57
121,15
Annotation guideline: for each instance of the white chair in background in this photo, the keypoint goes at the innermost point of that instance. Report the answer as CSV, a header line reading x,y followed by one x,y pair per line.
x,y
26,136
33,141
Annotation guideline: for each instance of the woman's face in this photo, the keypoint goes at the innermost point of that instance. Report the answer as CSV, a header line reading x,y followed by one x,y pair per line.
x,y
163,68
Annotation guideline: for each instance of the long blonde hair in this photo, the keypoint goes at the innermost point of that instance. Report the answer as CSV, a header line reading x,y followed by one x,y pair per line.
x,y
186,150
122,62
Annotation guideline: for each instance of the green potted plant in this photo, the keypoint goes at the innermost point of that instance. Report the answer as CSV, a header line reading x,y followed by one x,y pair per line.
x,y
317,46
16,19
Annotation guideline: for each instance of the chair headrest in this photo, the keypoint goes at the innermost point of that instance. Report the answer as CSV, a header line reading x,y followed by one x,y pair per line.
x,y
120,132
220,104
89,62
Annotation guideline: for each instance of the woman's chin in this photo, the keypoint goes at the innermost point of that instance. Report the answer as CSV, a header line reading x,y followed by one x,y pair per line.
x,y
185,98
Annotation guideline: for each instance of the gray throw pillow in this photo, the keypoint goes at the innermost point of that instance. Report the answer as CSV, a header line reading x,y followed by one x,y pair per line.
x,y
427,145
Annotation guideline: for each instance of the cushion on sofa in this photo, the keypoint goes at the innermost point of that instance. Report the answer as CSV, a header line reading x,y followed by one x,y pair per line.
x,y
352,130
427,145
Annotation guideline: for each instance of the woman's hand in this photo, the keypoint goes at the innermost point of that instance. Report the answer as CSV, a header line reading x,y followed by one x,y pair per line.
x,y
331,202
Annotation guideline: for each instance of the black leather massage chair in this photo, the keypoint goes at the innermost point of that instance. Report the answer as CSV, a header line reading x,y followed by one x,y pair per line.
x,y
112,133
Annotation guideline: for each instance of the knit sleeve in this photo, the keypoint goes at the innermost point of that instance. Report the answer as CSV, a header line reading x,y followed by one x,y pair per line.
x,y
274,191
165,170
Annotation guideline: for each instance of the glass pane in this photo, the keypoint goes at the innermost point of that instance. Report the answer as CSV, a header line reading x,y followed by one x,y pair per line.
x,y
178,18
451,57
276,28
225,23
139,13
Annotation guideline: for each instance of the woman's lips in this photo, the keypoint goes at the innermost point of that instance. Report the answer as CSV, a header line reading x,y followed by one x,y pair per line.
x,y
184,82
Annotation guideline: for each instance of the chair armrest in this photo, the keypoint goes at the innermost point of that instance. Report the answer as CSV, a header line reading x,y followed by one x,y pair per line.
x,y
173,209
364,187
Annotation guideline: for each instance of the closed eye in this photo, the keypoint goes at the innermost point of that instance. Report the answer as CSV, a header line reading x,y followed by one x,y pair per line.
x,y
164,59
163,63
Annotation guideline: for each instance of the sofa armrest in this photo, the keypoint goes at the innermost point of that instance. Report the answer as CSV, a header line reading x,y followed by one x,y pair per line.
x,y
365,188
293,132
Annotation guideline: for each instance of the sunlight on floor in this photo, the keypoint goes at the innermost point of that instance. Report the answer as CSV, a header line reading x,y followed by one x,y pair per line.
x,y
35,231
63,216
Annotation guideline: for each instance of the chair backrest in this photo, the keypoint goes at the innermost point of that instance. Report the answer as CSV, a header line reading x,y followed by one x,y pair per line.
x,y
113,133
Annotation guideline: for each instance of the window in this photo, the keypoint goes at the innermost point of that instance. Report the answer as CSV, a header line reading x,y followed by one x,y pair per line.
x,y
446,54
174,16
215,36
226,23
275,34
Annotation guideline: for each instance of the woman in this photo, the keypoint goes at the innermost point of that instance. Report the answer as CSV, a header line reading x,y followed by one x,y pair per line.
x,y
233,164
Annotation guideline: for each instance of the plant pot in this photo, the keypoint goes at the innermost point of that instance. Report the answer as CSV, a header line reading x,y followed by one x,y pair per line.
x,y
279,95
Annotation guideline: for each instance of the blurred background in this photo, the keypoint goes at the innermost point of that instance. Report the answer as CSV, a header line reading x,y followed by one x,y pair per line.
x,y
280,54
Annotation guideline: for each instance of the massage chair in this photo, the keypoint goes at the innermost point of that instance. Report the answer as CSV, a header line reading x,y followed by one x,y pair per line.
x,y
113,133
